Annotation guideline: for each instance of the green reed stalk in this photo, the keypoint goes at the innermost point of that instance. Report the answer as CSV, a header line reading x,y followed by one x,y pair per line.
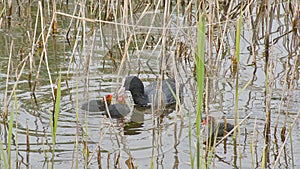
x,y
252,146
77,127
236,61
291,145
200,80
152,163
238,38
237,58
16,126
10,126
2,11
3,155
263,158
192,159
57,108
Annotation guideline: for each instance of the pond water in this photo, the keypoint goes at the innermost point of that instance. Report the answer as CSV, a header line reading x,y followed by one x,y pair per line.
x,y
91,66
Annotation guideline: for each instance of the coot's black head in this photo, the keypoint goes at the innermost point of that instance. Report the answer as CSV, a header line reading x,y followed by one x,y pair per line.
x,y
134,85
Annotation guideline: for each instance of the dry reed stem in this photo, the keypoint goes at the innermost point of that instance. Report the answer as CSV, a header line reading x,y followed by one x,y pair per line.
x,y
289,90
27,137
73,53
253,141
224,32
122,24
44,52
31,59
128,43
8,100
77,126
102,134
5,111
99,157
70,25
285,141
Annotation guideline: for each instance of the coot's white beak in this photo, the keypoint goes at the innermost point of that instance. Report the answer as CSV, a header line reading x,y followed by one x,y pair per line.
x,y
121,95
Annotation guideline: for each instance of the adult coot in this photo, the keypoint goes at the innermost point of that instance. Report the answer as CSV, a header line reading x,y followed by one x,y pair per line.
x,y
216,129
146,96
97,105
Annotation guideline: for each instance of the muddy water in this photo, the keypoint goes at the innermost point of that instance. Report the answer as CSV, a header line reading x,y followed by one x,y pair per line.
x,y
143,137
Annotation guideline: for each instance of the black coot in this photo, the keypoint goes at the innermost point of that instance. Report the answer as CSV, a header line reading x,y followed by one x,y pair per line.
x,y
145,96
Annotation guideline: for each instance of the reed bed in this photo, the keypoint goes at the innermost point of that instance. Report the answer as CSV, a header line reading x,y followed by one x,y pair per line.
x,y
209,46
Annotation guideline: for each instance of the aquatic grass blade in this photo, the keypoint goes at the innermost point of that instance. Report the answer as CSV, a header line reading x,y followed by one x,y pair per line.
x,y
4,157
11,121
9,138
291,146
200,80
2,11
57,108
192,159
77,126
237,59
238,38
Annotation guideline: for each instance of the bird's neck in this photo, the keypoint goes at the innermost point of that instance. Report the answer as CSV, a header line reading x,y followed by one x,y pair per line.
x,y
140,99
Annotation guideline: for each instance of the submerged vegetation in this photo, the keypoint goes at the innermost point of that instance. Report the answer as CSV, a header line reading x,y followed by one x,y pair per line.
x,y
237,60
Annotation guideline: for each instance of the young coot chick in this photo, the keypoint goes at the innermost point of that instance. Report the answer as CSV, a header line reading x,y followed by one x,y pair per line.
x,y
97,105
119,109
214,128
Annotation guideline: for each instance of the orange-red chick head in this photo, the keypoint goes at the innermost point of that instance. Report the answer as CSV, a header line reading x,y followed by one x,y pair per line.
x,y
109,98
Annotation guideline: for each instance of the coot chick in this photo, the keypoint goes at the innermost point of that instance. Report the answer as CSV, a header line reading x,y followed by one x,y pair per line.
x,y
218,129
145,96
97,105
119,109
